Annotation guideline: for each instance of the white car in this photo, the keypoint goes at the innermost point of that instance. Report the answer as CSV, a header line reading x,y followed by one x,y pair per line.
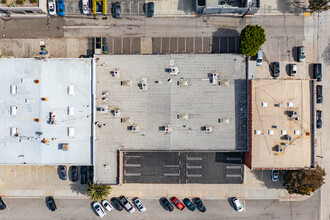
x,y
51,7
98,209
107,205
140,205
84,6
238,205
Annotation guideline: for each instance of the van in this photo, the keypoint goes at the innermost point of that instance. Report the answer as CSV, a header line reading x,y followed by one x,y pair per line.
x,y
259,57
318,72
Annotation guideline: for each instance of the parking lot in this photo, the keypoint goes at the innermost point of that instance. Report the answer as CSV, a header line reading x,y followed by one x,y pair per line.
x,y
183,167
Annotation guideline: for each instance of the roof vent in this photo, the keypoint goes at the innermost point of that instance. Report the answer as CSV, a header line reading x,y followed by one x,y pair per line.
x,y
13,89
115,73
214,78
279,148
116,112
172,70
224,83
208,129
144,84
134,128
167,129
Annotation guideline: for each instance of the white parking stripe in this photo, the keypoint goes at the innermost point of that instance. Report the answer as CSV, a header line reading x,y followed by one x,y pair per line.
x,y
193,158
171,165
171,174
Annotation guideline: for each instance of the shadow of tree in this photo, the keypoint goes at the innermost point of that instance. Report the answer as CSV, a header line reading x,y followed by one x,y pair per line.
x,y
79,188
265,176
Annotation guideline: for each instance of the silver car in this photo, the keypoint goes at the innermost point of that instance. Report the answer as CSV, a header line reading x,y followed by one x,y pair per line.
x,y
301,54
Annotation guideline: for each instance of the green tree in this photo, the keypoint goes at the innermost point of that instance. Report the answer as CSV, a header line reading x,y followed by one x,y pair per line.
x,y
251,39
318,5
20,2
98,192
304,182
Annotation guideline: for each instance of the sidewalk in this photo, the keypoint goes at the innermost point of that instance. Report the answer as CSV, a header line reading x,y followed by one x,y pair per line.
x,y
255,187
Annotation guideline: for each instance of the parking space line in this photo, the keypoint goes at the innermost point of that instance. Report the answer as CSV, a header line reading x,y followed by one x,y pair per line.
x,y
194,42
22,173
171,165
133,156
233,167
202,45
185,44
171,174
169,45
130,8
234,175
161,45
132,165
193,158
193,167
122,45
132,174
194,175
177,47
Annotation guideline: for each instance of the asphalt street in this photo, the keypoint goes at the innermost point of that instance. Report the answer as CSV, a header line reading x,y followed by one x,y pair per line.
x,y
216,209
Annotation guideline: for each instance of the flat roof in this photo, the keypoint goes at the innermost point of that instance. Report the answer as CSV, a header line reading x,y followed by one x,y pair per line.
x,y
187,103
46,107
271,102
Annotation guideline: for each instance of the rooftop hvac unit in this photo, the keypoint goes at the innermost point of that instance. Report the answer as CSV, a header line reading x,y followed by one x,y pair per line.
x,y
70,110
167,129
183,116
270,132
13,89
224,120
13,110
126,83
264,104
279,149
70,90
290,104
214,78
115,73
135,128
116,112
172,70
70,131
13,131
257,132
208,129
144,84
292,114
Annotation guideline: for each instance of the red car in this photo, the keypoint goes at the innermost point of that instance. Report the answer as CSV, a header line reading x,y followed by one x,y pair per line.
x,y
178,203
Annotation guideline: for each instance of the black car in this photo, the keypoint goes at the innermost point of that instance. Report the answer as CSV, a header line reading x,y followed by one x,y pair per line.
x,y
276,69
74,173
90,173
83,175
2,204
116,204
62,172
116,10
166,204
319,96
149,10
200,205
189,204
50,202
318,72
318,119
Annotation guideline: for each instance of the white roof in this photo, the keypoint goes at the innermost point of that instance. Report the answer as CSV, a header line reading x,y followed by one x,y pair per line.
x,y
24,117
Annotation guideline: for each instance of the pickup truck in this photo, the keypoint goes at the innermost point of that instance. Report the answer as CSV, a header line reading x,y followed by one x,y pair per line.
x,y
126,204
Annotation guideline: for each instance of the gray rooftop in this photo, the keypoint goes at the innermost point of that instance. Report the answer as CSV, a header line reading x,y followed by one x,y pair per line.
x,y
187,103
27,135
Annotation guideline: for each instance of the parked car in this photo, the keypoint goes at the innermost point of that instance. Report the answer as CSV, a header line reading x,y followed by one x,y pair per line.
x,y
178,203
199,204
2,204
51,7
139,205
189,204
83,175
318,72
259,57
61,8
275,175
116,10
319,96
74,173
318,119
84,7
90,173
301,54
107,205
276,69
98,209
62,172
237,204
50,202
126,204
149,10
116,204
293,70
166,204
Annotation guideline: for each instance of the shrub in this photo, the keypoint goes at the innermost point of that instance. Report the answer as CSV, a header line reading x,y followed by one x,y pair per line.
x,y
4,2
33,1
20,2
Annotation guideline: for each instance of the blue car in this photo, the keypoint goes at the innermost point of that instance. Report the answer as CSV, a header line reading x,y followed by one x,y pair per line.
x,y
189,204
61,8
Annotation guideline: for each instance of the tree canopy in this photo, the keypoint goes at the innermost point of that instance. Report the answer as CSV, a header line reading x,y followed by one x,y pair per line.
x,y
251,39
318,5
98,192
304,182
